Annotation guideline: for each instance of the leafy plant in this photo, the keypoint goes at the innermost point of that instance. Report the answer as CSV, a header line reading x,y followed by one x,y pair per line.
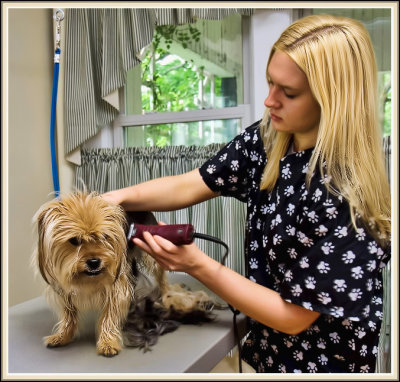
x,y
173,84
169,82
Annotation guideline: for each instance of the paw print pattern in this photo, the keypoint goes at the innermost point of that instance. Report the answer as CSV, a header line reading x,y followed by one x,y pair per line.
x,y
253,245
355,294
348,257
290,209
339,285
301,243
253,263
357,272
321,230
289,190
235,165
323,267
286,173
310,282
223,157
211,169
331,212
324,298
341,232
316,196
327,248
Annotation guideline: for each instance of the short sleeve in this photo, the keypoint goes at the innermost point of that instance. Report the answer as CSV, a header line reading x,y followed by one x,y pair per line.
x,y
338,268
228,172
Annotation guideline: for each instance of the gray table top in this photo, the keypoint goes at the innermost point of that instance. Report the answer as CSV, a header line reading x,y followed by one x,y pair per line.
x,y
190,349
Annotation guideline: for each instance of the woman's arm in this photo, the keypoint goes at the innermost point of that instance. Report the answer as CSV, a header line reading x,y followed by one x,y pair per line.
x,y
256,301
163,194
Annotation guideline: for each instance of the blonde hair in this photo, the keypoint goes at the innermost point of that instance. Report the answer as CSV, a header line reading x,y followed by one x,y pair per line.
x,y
337,56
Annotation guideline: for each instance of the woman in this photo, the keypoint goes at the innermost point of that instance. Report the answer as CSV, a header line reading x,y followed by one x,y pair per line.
x,y
318,223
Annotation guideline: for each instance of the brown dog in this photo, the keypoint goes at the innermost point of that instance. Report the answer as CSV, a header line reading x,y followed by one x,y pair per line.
x,y
83,256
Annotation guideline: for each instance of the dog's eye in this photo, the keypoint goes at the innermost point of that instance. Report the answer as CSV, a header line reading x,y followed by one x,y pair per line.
x,y
75,241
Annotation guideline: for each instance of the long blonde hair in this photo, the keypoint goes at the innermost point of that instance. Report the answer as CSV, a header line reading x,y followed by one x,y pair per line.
x,y
337,56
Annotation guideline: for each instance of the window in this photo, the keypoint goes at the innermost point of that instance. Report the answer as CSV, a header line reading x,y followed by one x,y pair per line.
x,y
189,88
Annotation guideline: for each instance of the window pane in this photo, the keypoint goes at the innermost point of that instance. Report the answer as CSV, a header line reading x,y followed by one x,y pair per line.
x,y
189,67
187,134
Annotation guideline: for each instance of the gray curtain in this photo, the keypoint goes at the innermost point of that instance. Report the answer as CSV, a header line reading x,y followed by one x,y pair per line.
x,y
224,218
101,45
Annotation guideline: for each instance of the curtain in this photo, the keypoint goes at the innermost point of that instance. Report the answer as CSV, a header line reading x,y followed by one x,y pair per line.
x,y
101,46
224,218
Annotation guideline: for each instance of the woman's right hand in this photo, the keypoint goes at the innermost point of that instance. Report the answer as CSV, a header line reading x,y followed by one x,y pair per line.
x,y
113,197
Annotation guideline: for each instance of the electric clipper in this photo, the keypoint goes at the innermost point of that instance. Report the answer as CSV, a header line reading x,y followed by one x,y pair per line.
x,y
178,234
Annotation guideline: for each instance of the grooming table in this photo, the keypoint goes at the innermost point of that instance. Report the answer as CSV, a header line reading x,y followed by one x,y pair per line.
x,y
189,349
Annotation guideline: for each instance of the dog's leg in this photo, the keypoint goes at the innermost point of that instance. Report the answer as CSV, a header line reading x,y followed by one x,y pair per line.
x,y
109,342
65,328
161,276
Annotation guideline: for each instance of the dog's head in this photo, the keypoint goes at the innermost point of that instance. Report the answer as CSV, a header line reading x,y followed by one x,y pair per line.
x,y
81,241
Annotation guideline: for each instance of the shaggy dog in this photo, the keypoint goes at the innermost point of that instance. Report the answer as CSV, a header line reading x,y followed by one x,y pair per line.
x,y
84,257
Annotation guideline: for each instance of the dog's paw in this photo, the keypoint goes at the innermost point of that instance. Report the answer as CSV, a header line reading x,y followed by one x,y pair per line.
x,y
108,350
56,340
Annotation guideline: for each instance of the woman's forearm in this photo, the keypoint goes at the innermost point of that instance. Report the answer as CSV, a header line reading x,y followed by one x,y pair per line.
x,y
256,301
163,194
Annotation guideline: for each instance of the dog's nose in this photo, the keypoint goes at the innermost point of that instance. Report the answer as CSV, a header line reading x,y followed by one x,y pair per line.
x,y
93,263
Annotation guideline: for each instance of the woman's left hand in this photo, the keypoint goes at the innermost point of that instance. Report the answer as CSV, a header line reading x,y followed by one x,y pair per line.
x,y
182,258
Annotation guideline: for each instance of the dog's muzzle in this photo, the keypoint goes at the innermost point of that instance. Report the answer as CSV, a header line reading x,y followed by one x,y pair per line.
x,y
93,267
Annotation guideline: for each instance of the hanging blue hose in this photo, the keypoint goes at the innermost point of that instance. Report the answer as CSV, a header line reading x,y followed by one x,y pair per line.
x,y
56,183
58,17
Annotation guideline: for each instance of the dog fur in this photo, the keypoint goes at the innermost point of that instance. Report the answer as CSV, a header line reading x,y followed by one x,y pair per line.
x,y
84,257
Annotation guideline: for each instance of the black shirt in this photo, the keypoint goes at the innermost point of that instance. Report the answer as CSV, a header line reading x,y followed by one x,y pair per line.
x,y
301,244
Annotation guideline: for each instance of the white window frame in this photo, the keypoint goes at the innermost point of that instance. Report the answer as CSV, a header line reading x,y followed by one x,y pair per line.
x,y
238,112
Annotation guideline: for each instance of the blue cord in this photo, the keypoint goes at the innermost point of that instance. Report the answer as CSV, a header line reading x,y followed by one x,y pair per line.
x,y
56,184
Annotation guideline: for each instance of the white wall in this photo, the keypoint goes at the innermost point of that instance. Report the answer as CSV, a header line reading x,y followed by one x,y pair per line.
x,y
30,72
266,26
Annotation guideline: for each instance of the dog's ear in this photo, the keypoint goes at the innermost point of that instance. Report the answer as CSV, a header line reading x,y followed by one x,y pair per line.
x,y
40,220
40,248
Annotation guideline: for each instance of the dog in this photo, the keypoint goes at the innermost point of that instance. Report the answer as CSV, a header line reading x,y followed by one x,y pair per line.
x,y
83,255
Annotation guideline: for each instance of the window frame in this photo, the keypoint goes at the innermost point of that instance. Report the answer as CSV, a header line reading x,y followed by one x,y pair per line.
x,y
237,112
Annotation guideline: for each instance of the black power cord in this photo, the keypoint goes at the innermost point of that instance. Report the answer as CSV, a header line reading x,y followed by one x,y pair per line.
x,y
234,311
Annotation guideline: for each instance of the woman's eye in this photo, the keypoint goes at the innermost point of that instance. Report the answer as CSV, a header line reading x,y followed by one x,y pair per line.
x,y
291,96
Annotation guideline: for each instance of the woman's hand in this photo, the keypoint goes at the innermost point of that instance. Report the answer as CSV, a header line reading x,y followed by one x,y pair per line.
x,y
182,258
113,197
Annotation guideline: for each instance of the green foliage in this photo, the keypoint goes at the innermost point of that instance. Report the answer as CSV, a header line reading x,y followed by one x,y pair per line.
x,y
173,83
159,135
169,83
181,33
173,86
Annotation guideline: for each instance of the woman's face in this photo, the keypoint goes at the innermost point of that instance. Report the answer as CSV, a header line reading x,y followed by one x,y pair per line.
x,y
293,108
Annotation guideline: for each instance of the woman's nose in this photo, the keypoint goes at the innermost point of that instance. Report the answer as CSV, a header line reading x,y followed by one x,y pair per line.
x,y
271,101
